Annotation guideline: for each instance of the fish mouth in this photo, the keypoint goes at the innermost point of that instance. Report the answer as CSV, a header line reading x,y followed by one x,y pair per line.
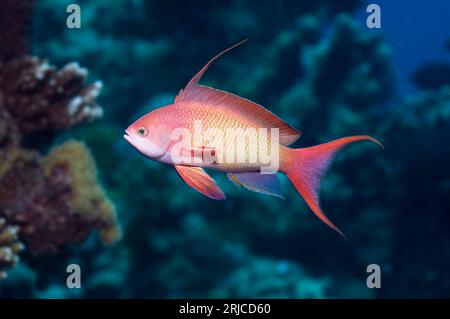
x,y
127,137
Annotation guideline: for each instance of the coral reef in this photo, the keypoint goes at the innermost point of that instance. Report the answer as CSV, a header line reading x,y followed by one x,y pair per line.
x,y
46,201
40,97
9,134
56,199
87,198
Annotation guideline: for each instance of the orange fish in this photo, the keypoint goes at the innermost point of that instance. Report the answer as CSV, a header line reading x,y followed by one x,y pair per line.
x,y
209,128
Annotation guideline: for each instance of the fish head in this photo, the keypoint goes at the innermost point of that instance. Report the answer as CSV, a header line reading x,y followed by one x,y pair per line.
x,y
149,135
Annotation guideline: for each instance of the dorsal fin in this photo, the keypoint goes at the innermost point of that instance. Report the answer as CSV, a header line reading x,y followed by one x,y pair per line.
x,y
207,96
194,81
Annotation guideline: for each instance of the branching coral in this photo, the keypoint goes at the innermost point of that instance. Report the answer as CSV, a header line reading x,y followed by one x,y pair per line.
x,y
40,97
56,199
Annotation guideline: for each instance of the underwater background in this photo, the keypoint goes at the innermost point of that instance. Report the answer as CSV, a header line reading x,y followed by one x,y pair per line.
x,y
73,191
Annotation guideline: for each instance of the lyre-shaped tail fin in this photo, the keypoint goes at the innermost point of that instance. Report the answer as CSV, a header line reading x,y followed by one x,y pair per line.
x,y
310,164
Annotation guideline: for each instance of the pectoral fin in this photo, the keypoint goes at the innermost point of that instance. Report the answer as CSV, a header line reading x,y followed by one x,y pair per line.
x,y
262,183
198,179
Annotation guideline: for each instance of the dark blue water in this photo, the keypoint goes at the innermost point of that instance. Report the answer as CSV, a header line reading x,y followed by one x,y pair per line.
x,y
313,63
417,32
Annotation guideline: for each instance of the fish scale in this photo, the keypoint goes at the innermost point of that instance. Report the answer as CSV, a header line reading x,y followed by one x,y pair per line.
x,y
246,146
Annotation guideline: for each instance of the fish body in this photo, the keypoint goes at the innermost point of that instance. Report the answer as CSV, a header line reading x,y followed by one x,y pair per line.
x,y
236,131
213,129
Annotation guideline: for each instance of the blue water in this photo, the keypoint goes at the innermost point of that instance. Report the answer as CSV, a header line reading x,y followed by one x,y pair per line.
x,y
417,32
313,63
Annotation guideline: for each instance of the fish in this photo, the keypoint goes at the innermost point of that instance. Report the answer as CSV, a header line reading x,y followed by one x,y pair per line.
x,y
206,128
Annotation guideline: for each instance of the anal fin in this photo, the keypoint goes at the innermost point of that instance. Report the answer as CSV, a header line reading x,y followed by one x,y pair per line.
x,y
268,184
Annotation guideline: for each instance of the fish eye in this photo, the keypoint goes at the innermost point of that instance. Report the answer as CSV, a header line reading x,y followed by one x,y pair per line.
x,y
142,131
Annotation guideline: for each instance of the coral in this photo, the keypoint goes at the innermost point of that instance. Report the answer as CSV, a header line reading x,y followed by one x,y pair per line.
x,y
40,97
56,199
9,134
10,246
87,197
53,200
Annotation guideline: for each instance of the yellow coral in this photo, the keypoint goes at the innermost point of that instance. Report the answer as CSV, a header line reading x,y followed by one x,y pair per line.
x,y
88,198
